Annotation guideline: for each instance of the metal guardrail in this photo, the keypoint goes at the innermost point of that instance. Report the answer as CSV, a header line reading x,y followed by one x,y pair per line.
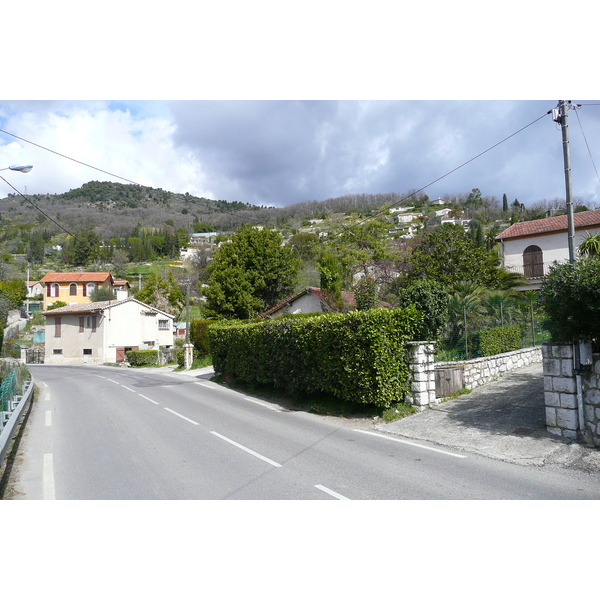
x,y
13,407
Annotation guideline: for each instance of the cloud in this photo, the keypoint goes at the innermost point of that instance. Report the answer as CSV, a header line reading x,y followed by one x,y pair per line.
x,y
278,152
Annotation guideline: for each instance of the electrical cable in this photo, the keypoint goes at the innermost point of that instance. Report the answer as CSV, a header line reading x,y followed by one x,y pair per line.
x,y
450,172
587,145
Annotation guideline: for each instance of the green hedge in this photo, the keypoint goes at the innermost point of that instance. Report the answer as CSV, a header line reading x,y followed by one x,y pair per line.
x,y
138,358
199,336
499,339
359,357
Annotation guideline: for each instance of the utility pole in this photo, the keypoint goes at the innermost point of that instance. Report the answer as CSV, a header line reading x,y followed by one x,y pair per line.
x,y
188,349
560,116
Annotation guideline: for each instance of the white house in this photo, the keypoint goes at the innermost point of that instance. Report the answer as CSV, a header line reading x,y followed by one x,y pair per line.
x,y
529,248
101,332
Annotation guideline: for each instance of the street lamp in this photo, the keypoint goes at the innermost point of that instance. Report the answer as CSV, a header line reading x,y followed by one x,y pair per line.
x,y
20,168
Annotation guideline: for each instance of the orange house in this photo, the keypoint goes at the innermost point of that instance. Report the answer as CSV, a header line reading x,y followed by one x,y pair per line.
x,y
73,288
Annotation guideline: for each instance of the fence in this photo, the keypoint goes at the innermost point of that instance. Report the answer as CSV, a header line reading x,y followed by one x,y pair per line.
x,y
469,317
16,390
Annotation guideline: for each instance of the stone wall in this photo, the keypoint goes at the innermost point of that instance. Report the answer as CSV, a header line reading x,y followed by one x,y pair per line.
x,y
572,399
479,371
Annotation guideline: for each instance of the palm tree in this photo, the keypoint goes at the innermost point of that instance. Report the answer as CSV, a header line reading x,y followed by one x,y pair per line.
x,y
590,246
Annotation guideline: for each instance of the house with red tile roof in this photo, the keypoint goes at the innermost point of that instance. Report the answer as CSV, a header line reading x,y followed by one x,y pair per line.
x,y
530,248
76,288
102,332
312,300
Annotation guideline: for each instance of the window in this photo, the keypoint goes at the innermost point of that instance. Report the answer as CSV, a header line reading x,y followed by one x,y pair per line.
x,y
163,325
90,289
53,290
81,324
57,351
73,289
91,322
57,327
87,351
533,262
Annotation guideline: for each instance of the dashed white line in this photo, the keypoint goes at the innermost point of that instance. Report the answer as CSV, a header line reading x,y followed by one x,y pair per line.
x,y
385,437
331,492
113,381
128,389
181,416
49,493
268,460
212,387
48,418
149,399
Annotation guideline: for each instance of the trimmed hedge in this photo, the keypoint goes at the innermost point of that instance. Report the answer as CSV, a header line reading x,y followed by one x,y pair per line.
x,y
359,357
499,339
199,336
138,358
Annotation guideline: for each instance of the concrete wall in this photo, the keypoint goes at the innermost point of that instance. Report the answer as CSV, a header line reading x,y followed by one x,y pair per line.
x,y
572,400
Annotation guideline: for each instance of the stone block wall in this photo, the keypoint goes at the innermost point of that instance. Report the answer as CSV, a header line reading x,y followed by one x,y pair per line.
x,y
572,400
422,373
479,371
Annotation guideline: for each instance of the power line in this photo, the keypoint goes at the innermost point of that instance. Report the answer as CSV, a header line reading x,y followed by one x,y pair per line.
x,y
587,145
68,157
454,170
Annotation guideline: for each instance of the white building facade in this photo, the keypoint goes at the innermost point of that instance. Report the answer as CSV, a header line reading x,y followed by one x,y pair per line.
x,y
102,332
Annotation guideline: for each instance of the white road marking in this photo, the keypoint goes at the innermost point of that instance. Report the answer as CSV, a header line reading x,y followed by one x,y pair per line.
x,y
331,492
212,387
48,418
271,462
263,404
176,413
392,439
149,400
101,376
113,381
128,389
49,492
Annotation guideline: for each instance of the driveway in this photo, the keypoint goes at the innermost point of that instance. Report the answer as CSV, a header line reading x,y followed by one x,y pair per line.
x,y
504,420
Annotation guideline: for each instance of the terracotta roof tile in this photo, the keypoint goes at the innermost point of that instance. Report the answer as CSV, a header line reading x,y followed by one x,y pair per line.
x,y
581,220
57,277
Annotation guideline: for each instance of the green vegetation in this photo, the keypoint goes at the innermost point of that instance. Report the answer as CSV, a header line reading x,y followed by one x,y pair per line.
x,y
360,357
570,298
142,358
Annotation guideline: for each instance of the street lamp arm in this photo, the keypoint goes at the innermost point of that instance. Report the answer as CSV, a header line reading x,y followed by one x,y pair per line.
x,y
20,168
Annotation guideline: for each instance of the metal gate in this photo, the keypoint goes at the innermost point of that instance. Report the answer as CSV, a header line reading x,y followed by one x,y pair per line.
x,y
448,381
34,356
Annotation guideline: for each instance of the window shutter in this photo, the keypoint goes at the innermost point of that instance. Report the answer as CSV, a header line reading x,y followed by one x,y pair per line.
x,y
84,286
57,326
81,324
93,323
48,290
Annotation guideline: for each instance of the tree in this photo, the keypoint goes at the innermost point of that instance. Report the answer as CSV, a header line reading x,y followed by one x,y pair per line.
x,y
504,203
432,299
590,246
447,256
305,244
365,294
570,298
161,293
82,248
250,274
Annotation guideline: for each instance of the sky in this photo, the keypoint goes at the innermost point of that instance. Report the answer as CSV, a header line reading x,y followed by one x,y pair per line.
x,y
281,152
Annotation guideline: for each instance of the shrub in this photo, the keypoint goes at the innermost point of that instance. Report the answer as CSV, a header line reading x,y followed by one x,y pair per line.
x,y
360,357
570,298
138,358
499,339
199,336
432,299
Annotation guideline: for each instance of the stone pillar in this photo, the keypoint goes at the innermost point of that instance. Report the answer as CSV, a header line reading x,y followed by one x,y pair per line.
x,y
188,356
560,390
422,375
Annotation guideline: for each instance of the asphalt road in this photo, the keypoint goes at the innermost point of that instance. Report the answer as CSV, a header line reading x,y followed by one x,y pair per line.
x,y
111,433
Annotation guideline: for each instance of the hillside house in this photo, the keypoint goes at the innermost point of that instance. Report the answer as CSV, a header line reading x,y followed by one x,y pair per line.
x,y
530,248
74,288
101,332
312,300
